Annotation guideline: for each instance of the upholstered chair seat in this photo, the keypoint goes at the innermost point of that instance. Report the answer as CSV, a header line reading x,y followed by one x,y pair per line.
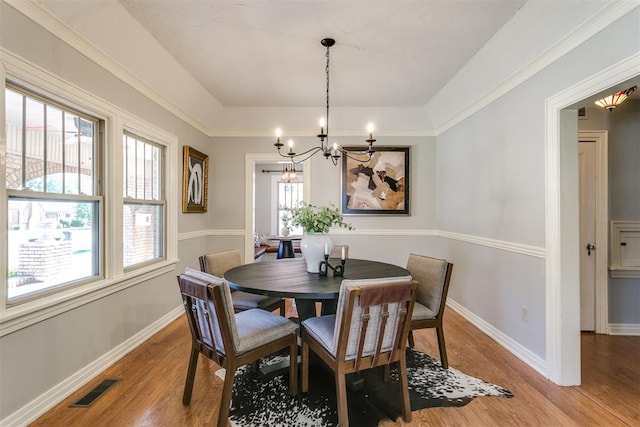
x,y
421,312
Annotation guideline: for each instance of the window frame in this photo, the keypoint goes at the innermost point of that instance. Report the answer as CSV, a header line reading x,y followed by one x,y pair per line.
x,y
113,276
145,202
95,196
298,181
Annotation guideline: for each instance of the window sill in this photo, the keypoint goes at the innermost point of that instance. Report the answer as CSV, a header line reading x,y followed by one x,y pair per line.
x,y
14,318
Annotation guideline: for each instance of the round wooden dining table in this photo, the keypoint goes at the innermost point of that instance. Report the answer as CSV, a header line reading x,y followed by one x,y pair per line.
x,y
288,278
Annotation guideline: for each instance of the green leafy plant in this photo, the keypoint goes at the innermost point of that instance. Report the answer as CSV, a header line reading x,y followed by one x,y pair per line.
x,y
317,219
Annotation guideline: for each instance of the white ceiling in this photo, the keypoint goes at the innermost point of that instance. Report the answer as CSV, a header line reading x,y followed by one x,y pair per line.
x,y
251,53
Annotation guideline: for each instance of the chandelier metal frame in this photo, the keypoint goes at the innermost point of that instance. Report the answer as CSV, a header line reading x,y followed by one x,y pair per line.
x,y
334,151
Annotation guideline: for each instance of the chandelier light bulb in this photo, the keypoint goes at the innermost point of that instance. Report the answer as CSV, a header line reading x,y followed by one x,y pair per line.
x,y
278,133
370,130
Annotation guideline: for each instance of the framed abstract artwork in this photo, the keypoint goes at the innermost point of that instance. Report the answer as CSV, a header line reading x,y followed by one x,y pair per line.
x,y
378,185
194,180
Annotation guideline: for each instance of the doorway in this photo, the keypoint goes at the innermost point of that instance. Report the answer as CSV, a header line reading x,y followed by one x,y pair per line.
x,y
562,277
251,161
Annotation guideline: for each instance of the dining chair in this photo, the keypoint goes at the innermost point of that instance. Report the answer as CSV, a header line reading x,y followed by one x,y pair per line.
x,y
433,276
369,329
231,339
217,263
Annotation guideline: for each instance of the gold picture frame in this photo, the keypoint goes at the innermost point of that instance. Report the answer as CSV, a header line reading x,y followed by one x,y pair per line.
x,y
195,174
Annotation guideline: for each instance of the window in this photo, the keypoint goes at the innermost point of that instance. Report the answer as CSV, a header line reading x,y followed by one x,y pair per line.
x,y
53,197
144,204
70,182
289,196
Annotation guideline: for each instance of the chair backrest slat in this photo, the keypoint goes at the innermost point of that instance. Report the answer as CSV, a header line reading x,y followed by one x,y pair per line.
x,y
384,317
403,324
364,319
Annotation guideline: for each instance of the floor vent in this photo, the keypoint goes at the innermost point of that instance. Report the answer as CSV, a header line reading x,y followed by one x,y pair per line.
x,y
89,398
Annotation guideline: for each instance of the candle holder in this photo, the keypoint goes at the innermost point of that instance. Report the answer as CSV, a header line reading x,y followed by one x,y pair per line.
x,y
324,268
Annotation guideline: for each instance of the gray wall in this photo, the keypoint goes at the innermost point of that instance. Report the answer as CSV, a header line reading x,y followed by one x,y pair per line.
x,y
624,187
623,125
36,358
491,184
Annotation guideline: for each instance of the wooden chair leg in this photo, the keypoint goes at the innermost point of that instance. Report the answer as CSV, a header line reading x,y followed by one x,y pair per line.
x,y
225,398
404,389
443,350
410,336
305,367
341,397
293,368
191,375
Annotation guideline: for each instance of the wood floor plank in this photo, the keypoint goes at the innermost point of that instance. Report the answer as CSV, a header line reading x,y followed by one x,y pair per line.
x,y
152,379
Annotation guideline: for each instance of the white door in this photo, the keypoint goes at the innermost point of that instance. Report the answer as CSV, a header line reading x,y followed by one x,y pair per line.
x,y
587,170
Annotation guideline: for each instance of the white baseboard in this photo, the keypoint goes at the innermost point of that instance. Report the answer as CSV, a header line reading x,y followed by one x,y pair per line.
x,y
517,349
47,400
624,329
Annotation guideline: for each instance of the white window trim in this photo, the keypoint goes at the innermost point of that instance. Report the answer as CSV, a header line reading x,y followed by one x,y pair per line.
x,y
15,317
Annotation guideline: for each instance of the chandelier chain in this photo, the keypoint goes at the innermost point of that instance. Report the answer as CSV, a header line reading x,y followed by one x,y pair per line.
x,y
327,71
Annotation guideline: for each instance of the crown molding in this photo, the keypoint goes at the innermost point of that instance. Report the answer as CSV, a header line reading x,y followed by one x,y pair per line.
x,y
309,132
55,26
607,15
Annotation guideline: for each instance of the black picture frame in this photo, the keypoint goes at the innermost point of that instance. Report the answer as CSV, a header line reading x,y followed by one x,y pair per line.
x,y
378,185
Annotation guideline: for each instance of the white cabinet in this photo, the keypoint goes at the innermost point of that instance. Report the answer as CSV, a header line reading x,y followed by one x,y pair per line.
x,y
625,249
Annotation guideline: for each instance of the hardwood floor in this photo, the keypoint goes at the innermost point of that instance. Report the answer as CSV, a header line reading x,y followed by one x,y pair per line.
x,y
152,379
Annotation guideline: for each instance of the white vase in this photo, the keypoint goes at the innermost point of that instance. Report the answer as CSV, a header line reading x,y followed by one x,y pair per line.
x,y
313,247
284,231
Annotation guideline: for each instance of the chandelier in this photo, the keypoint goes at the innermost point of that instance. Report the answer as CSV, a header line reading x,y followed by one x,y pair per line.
x,y
329,151
612,101
289,172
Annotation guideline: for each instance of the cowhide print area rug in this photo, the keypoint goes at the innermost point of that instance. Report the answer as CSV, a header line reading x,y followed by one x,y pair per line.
x,y
260,400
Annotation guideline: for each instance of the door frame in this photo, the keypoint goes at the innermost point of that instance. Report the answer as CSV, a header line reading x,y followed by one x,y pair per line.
x,y
600,138
250,161
562,281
